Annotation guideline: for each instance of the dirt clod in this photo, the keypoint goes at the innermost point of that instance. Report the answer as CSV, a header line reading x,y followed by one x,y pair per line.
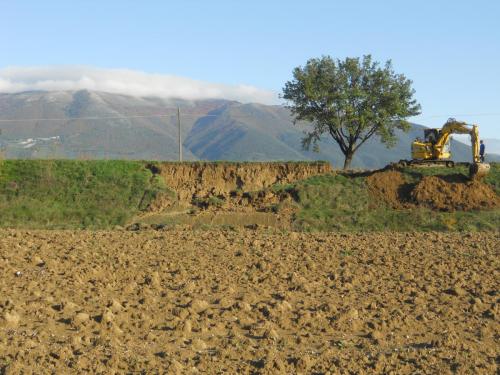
x,y
11,318
81,318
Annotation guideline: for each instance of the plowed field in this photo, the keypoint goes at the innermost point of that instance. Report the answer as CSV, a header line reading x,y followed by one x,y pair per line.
x,y
244,301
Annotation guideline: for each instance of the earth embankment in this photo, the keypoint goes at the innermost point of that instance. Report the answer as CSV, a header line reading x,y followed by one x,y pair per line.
x,y
305,196
202,180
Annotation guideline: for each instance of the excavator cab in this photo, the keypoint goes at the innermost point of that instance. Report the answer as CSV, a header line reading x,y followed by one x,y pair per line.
x,y
428,149
431,135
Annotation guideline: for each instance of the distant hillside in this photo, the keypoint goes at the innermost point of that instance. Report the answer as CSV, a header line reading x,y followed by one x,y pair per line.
x,y
90,125
81,135
492,145
259,132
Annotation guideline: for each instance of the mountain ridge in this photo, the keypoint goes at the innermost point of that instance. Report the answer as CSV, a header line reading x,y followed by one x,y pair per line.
x,y
94,124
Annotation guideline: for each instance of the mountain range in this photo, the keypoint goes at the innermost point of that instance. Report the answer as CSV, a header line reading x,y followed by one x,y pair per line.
x,y
492,145
89,124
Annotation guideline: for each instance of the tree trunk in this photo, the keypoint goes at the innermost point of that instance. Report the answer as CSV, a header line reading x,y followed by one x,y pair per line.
x,y
348,159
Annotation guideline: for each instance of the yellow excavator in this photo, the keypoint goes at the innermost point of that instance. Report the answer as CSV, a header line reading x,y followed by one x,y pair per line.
x,y
434,149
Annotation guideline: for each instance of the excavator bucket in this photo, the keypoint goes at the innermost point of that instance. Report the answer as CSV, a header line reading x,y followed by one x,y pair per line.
x,y
478,171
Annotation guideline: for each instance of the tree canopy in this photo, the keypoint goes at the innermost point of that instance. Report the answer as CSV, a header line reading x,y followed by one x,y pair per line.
x,y
351,100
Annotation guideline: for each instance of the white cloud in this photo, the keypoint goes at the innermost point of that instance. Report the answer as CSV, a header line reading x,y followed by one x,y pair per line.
x,y
125,81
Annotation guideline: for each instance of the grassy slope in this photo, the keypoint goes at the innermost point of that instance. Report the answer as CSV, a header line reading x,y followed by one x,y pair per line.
x,y
102,194
72,194
343,203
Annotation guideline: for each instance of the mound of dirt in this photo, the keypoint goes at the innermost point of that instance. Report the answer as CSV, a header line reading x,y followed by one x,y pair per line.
x,y
436,193
389,187
440,193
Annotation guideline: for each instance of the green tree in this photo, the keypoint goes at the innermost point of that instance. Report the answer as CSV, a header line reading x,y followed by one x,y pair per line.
x,y
351,100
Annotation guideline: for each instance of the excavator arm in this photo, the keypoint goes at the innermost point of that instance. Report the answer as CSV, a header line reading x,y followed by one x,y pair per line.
x,y
453,126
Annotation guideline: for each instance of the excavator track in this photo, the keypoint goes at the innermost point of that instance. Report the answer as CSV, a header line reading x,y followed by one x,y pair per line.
x,y
429,163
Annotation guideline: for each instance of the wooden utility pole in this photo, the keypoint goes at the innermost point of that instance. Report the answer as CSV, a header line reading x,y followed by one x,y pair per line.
x,y
179,129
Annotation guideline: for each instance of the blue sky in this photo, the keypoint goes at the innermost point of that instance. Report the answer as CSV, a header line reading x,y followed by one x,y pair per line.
x,y
450,49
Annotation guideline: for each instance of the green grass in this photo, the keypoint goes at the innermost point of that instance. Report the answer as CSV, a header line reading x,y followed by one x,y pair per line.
x,y
209,202
340,203
415,174
493,178
73,194
282,188
102,194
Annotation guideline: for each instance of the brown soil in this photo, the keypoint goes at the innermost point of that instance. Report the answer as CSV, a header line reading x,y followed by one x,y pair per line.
x,y
161,202
389,187
209,218
438,194
229,187
202,180
247,301
441,193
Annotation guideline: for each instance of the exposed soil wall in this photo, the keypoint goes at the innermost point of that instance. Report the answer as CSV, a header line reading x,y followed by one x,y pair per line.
x,y
201,180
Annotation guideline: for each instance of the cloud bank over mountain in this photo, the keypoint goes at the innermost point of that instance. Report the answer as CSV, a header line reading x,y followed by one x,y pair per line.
x,y
125,81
